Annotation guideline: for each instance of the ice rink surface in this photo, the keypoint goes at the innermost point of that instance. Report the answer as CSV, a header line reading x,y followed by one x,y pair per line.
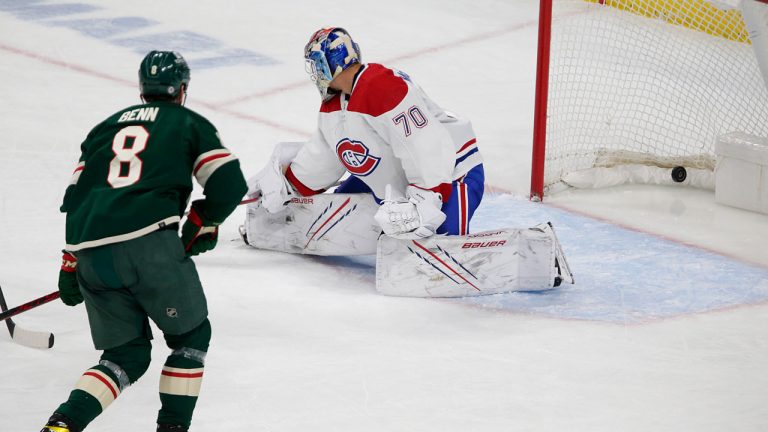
x,y
665,329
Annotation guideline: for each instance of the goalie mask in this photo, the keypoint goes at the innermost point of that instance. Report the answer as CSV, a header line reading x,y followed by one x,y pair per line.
x,y
329,52
162,74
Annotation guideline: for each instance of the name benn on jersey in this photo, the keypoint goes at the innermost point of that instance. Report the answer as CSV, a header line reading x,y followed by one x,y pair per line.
x,y
139,114
356,157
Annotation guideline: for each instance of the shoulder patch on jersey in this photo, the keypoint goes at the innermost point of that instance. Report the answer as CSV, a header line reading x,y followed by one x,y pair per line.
x,y
332,105
377,91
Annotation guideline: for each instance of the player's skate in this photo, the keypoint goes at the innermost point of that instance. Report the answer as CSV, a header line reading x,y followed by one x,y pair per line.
x,y
60,423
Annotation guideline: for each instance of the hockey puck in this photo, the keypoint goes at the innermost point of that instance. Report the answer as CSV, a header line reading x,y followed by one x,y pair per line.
x,y
679,174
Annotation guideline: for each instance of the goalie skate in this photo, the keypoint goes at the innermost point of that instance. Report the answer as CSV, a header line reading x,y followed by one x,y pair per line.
x,y
561,264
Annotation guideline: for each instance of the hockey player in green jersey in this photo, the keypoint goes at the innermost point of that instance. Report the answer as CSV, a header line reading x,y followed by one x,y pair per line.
x,y
123,255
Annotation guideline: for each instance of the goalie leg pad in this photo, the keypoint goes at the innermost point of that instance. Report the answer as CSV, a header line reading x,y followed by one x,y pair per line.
x,y
324,224
489,262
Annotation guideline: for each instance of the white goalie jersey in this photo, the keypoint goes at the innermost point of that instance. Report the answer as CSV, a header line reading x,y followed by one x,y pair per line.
x,y
387,131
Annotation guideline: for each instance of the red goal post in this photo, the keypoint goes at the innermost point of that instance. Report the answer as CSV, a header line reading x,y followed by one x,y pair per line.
x,y
639,83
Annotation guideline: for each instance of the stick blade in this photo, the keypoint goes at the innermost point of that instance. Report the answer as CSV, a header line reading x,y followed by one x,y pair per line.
x,y
28,338
32,339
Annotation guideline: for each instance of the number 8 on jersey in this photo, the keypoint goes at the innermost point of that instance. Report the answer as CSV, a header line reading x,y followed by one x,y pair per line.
x,y
125,167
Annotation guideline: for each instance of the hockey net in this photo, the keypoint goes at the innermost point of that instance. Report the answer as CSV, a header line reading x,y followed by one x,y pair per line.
x,y
640,83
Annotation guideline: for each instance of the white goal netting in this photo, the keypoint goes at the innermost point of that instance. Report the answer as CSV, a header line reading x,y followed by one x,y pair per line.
x,y
647,82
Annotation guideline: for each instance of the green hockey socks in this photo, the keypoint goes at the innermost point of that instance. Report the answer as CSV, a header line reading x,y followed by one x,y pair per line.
x,y
182,375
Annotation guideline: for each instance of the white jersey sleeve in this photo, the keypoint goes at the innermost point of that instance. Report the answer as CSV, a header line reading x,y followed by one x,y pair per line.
x,y
315,167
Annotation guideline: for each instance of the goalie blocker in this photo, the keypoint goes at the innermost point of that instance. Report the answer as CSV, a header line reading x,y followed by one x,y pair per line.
x,y
489,262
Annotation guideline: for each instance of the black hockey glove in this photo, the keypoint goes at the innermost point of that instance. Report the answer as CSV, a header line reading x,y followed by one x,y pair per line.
x,y
199,234
69,290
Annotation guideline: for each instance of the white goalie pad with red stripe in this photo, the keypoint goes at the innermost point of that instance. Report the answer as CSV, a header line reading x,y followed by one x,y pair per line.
x,y
488,262
324,224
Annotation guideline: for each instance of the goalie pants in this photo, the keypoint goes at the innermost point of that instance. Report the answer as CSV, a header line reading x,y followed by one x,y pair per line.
x,y
466,194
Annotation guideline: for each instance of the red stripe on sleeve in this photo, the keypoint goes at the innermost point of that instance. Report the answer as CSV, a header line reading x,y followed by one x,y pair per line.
x,y
468,143
300,187
208,159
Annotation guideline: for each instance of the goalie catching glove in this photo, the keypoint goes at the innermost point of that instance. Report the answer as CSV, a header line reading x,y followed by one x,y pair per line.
x,y
416,216
199,233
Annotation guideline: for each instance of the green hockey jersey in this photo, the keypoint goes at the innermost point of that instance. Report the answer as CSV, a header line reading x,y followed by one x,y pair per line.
x,y
135,174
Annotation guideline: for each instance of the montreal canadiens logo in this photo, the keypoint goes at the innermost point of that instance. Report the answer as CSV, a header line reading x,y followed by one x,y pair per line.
x,y
356,157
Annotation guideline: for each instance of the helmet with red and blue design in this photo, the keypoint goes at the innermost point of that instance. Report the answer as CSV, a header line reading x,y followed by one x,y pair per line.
x,y
329,52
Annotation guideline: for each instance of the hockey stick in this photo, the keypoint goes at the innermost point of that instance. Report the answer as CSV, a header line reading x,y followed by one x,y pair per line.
x,y
24,337
253,200
249,200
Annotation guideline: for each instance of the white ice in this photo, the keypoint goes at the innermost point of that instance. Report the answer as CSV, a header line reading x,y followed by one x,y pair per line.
x,y
304,343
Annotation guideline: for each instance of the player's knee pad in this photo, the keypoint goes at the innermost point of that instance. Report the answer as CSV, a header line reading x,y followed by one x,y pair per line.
x,y
128,361
192,345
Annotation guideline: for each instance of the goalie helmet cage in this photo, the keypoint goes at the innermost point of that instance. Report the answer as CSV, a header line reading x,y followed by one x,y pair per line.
x,y
649,82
